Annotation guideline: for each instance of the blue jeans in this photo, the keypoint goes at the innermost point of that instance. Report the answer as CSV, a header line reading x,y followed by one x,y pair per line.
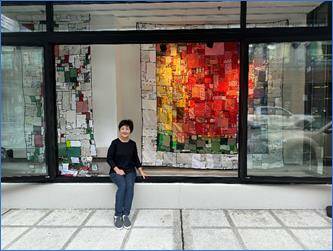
x,y
125,192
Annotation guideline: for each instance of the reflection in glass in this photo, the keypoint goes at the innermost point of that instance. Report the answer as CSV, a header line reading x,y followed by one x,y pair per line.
x,y
23,18
289,109
22,124
147,16
287,14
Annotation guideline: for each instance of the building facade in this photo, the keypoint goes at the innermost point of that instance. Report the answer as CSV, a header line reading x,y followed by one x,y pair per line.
x,y
219,92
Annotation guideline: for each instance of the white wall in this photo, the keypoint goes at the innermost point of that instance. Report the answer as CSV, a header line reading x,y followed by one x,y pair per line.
x,y
128,88
104,96
116,92
163,195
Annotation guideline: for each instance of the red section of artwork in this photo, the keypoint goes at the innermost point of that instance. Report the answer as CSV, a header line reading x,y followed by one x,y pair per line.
x,y
192,61
208,85
213,87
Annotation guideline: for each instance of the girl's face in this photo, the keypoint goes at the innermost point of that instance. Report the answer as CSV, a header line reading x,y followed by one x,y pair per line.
x,y
125,131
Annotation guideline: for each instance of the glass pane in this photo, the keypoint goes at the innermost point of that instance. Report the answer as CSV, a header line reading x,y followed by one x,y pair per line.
x,y
22,124
148,16
182,98
23,18
287,14
289,116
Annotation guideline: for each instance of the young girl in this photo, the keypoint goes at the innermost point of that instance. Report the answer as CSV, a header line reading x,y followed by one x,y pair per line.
x,y
123,160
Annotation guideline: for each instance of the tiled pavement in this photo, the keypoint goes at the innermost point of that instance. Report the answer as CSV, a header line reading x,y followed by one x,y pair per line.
x,y
72,229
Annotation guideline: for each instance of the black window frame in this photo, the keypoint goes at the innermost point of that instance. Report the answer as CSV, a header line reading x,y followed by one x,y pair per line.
x,y
242,35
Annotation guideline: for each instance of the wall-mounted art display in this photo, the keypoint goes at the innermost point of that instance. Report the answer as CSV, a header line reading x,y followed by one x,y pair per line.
x,y
190,104
76,144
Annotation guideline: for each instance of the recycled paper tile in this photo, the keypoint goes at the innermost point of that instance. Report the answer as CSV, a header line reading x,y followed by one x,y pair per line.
x,y
75,118
190,79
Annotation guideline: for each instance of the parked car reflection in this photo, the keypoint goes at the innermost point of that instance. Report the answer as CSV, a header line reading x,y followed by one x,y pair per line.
x,y
277,117
310,146
307,145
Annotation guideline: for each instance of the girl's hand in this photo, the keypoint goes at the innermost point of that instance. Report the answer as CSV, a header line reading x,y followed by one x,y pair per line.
x,y
143,174
119,171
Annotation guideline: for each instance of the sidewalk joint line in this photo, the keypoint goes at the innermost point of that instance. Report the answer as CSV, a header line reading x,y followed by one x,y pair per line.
x,y
7,210
77,230
181,229
28,230
128,232
293,236
235,230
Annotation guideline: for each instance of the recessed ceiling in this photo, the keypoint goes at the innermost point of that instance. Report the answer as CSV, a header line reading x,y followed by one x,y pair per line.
x,y
182,12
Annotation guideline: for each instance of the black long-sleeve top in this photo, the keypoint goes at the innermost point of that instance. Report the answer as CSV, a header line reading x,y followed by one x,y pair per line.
x,y
123,155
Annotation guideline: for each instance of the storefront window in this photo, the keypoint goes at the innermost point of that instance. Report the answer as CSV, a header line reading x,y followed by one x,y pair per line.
x,y
183,99
22,124
147,16
287,14
289,109
23,18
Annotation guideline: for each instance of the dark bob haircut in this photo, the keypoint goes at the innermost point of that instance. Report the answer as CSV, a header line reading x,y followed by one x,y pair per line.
x,y
126,122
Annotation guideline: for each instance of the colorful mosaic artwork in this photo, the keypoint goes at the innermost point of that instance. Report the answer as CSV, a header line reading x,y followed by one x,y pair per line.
x,y
172,95
197,97
76,144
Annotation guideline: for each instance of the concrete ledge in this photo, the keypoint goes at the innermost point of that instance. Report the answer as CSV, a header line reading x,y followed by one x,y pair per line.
x,y
175,196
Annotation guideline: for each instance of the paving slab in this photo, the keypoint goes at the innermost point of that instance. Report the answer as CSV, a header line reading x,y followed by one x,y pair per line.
x,y
265,239
252,218
43,238
8,234
211,239
104,238
63,217
92,229
23,216
315,238
101,217
301,218
155,218
152,238
205,218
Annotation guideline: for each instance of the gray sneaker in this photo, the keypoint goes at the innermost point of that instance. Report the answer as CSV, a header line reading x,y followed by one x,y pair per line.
x,y
118,222
127,222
